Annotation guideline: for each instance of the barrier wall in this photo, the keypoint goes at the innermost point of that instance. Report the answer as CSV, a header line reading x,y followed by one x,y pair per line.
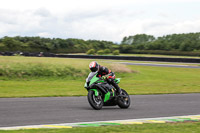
x,y
136,58
162,59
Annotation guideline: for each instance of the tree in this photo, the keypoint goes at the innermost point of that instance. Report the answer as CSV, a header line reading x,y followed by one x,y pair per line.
x,y
11,44
107,51
138,39
91,52
100,52
116,52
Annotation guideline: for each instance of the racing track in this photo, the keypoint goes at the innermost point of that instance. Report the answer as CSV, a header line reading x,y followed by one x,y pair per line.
x,y
158,65
55,110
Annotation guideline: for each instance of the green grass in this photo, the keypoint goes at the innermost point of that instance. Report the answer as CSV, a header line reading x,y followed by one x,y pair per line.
x,y
42,88
144,128
145,79
162,80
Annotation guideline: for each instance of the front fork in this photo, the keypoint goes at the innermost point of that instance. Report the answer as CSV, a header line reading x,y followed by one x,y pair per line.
x,y
106,97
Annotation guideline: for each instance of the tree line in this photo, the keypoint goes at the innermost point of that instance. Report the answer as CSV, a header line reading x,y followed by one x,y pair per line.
x,y
55,45
181,42
140,43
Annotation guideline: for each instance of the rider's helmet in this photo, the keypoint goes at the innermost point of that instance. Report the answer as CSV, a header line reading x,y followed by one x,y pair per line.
x,y
94,66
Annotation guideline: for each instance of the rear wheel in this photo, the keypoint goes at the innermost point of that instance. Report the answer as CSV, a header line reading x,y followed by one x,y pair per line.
x,y
124,100
95,101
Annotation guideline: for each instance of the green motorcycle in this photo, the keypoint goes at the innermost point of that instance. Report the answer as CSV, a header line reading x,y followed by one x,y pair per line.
x,y
101,93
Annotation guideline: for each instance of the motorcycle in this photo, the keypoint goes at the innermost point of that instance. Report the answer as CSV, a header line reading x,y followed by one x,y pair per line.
x,y
101,93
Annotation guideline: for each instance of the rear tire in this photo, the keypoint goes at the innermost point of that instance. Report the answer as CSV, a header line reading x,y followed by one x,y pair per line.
x,y
124,102
95,101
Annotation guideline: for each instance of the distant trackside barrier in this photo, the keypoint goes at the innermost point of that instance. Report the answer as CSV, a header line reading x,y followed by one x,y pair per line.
x,y
137,58
162,59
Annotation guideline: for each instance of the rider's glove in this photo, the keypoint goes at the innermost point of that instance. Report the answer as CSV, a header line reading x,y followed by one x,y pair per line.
x,y
104,77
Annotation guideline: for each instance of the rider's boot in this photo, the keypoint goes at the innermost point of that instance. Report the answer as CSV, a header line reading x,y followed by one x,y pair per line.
x,y
119,91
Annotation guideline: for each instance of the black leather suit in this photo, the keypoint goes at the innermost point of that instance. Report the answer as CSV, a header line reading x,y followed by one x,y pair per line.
x,y
111,76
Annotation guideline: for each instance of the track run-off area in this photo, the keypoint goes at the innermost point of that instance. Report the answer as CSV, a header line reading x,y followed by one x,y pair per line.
x,y
68,112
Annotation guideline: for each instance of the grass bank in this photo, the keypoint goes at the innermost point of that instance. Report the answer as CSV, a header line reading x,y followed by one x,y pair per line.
x,y
144,128
31,67
41,77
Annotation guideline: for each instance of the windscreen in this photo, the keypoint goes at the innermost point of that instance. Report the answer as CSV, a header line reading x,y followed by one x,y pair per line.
x,y
90,76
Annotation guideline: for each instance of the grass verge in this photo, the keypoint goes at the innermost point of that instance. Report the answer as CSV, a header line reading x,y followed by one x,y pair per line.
x,y
193,127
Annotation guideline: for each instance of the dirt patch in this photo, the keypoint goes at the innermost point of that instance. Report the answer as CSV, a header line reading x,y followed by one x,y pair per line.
x,y
121,68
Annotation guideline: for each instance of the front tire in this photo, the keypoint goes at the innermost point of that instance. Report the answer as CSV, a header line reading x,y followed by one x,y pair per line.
x,y
95,101
124,102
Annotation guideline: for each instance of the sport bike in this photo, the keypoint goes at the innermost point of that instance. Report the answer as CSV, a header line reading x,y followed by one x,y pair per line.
x,y
101,93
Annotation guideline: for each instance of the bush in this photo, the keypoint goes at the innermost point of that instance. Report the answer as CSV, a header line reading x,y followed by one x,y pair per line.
x,y
116,52
107,51
100,52
91,52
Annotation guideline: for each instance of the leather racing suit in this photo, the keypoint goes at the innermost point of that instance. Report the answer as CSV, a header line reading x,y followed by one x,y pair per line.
x,y
103,71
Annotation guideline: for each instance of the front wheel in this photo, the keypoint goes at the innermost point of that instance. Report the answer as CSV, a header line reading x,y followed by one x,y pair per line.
x,y
95,101
124,100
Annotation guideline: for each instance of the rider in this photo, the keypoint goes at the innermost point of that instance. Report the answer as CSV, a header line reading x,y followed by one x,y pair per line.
x,y
105,73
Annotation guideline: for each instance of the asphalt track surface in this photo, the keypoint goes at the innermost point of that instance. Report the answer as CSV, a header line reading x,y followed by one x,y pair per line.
x,y
160,65
55,110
